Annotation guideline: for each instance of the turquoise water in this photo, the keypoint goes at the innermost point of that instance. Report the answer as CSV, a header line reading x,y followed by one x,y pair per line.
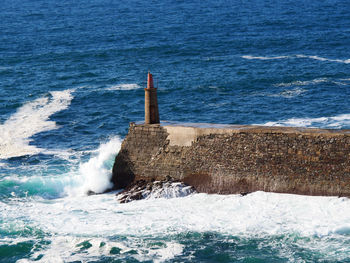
x,y
72,75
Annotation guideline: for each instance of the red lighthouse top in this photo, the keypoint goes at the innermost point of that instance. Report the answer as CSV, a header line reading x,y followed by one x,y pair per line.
x,y
150,81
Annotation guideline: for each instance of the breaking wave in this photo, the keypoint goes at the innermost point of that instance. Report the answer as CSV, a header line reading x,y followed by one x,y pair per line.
x,y
90,176
95,174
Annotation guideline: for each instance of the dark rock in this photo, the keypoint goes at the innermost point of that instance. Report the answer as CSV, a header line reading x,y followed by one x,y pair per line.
x,y
90,192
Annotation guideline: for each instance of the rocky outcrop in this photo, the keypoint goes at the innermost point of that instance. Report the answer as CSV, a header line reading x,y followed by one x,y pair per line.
x,y
237,159
142,189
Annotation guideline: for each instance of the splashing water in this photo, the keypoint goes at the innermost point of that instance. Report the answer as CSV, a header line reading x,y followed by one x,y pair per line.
x,y
95,174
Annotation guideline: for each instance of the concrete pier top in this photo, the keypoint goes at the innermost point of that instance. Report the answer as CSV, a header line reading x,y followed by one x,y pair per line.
x,y
184,134
251,128
255,128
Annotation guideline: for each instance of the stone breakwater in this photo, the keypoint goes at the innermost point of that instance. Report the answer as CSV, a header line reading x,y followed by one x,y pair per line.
x,y
231,159
142,189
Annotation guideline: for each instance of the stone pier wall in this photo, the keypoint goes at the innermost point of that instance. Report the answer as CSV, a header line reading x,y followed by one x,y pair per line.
x,y
230,159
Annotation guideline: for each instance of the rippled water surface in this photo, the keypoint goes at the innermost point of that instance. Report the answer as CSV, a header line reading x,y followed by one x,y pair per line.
x,y
72,75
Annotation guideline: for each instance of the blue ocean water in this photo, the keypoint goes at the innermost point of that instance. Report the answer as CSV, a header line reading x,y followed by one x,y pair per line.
x,y
72,75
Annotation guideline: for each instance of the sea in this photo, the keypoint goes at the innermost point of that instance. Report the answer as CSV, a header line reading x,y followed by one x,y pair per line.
x,y
72,78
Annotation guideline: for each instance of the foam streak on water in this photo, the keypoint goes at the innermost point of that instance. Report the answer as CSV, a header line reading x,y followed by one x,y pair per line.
x,y
264,58
303,83
345,61
125,86
334,122
30,119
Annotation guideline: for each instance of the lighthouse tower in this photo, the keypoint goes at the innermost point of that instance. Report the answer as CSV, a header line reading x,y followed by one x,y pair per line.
x,y
151,103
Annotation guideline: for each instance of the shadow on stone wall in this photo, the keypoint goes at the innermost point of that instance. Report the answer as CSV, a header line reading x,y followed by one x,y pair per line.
x,y
123,166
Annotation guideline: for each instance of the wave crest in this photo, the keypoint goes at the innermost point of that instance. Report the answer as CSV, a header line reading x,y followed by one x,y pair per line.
x,y
95,174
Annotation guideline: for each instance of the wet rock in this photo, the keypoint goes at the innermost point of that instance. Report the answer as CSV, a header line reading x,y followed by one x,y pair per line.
x,y
142,189
90,192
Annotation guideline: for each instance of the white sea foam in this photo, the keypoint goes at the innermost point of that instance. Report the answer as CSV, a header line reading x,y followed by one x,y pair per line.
x,y
264,58
72,220
335,122
71,248
4,68
168,252
30,119
290,93
95,174
130,86
63,248
346,61
299,83
302,83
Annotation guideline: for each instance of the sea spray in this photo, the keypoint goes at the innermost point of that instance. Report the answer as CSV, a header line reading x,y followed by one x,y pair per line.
x,y
94,175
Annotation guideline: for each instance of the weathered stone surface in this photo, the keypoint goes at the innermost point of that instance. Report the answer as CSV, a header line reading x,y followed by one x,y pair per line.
x,y
237,159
